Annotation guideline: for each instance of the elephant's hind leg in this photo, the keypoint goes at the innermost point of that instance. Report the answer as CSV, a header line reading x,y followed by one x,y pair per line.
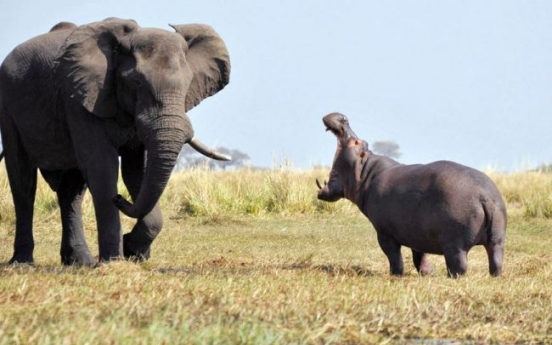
x,y
74,250
22,178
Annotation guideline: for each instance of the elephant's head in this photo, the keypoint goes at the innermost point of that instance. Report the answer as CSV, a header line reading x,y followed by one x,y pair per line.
x,y
350,153
148,78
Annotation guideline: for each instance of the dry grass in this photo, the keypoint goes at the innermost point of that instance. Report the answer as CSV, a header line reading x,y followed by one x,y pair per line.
x,y
251,257
248,192
529,193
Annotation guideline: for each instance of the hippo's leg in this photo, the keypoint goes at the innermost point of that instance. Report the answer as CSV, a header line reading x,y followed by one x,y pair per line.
x,y
495,244
393,252
495,252
421,263
457,261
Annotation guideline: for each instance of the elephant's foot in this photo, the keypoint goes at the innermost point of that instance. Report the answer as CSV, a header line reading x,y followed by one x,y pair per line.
x,y
23,255
136,250
21,259
78,258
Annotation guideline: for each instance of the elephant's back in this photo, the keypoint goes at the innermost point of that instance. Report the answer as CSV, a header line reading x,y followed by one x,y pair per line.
x,y
27,84
31,103
34,58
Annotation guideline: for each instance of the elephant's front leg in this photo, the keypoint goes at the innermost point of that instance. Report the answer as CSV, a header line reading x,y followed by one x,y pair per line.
x,y
74,250
98,161
103,186
137,243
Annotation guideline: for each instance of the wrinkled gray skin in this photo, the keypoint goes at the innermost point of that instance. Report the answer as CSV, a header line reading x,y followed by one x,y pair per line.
x,y
75,100
438,208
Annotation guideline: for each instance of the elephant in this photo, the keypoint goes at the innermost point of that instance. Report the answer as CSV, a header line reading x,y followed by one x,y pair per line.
x,y
80,103
440,208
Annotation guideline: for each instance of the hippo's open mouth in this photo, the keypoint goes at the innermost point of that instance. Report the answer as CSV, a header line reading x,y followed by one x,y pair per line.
x,y
338,124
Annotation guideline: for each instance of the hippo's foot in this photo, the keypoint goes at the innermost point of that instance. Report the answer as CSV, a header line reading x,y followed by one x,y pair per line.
x,y
421,262
426,271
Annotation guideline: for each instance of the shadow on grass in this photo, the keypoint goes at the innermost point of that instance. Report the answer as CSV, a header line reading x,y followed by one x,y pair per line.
x,y
218,265
17,268
224,265
334,270
305,263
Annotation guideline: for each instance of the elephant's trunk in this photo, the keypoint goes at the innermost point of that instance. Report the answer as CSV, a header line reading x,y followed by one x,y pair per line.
x,y
163,139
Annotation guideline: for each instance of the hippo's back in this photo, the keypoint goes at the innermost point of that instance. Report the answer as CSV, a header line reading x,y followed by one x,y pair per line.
x,y
418,203
441,179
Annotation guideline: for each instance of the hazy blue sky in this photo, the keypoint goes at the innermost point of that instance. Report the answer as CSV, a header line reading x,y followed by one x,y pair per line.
x,y
469,81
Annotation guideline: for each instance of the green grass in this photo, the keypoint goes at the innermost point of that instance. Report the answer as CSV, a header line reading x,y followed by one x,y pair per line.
x,y
252,257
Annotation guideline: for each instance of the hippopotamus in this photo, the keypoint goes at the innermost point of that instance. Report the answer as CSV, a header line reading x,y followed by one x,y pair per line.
x,y
440,208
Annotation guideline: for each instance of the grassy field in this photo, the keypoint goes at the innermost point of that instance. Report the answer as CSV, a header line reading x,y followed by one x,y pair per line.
x,y
251,257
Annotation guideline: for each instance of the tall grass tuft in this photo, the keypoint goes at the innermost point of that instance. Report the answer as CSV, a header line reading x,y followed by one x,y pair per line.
x,y
528,194
281,190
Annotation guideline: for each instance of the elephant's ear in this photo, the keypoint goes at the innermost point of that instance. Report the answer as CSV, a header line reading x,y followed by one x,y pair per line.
x,y
208,58
85,71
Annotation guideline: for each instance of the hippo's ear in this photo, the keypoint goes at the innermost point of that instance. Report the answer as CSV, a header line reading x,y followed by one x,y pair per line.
x,y
365,150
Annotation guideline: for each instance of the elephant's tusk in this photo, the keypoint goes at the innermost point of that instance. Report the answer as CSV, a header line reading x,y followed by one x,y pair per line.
x,y
207,151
